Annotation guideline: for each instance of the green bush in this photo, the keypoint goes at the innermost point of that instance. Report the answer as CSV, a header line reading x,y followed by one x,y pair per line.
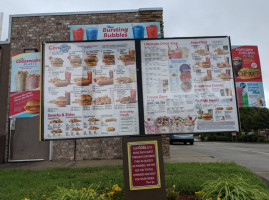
x,y
231,188
260,139
76,194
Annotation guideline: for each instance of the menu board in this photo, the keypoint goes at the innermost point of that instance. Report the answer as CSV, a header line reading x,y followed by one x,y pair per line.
x,y
188,85
89,90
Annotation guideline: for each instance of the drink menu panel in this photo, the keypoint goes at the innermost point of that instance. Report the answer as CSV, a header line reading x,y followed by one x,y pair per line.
x,y
89,90
188,86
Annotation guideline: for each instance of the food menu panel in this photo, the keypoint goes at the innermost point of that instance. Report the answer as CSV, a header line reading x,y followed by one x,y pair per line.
x,y
25,85
188,86
89,90
248,76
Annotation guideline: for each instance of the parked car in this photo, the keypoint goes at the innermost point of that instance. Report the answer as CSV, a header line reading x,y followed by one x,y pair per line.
x,y
182,138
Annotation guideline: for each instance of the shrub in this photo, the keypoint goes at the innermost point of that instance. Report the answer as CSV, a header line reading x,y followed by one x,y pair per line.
x,y
260,139
172,194
76,194
231,187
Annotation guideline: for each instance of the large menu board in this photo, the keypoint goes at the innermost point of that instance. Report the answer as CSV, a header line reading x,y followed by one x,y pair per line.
x,y
89,90
188,85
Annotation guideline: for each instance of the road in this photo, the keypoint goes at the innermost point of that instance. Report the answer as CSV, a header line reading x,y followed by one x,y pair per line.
x,y
254,156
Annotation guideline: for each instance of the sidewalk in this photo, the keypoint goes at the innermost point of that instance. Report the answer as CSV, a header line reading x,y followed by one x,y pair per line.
x,y
175,157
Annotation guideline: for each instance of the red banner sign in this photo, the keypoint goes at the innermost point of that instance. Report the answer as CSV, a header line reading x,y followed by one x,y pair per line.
x,y
144,170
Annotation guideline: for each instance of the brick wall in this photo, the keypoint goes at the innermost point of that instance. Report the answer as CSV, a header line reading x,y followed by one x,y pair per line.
x,y
30,31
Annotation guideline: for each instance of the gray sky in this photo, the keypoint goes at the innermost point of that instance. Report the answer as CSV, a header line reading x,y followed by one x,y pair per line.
x,y
245,21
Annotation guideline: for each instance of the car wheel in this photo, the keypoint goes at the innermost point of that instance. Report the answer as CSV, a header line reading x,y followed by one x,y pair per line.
x,y
185,143
171,142
191,142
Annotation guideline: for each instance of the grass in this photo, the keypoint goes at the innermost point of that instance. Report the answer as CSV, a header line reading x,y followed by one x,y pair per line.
x,y
188,178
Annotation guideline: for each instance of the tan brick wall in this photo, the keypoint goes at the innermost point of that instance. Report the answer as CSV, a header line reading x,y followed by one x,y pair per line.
x,y
30,32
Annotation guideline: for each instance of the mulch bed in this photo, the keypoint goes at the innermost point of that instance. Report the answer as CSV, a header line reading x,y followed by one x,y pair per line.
x,y
186,197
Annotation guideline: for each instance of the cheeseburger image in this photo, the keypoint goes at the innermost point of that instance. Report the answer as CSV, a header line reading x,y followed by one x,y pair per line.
x,y
32,106
127,59
84,100
91,60
108,60
249,73
75,61
56,62
61,101
206,116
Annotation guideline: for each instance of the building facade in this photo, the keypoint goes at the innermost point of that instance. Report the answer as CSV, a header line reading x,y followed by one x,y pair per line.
x,y
27,32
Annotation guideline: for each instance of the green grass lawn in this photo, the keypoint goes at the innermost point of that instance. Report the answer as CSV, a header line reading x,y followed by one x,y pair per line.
x,y
188,178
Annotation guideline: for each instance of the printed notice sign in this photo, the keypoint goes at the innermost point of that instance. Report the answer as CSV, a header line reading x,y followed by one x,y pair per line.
x,y
143,163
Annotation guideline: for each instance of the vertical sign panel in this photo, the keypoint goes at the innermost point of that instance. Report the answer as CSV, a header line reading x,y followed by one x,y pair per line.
x,y
188,85
248,76
89,90
25,85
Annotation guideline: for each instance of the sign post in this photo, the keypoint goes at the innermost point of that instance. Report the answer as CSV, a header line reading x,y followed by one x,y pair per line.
x,y
143,168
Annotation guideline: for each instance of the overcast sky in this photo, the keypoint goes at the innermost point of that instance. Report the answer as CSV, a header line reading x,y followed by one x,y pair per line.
x,y
245,21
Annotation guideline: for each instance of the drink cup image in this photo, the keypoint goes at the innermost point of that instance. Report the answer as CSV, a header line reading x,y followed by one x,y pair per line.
x,y
152,31
67,96
89,74
78,34
92,33
68,76
259,101
237,63
20,80
138,32
133,94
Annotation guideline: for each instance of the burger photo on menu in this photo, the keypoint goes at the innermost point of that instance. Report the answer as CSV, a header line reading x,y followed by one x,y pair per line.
x,y
83,100
249,73
58,82
108,60
81,81
60,101
56,62
103,80
75,61
206,116
91,60
32,106
127,59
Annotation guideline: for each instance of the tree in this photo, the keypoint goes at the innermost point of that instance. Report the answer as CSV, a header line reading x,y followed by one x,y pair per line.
x,y
253,119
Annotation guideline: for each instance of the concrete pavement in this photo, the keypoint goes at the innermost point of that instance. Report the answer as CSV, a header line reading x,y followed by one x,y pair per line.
x,y
175,157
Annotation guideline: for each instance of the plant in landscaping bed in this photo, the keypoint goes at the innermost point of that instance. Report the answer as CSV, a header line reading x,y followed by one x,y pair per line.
x,y
77,194
116,193
231,188
171,193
